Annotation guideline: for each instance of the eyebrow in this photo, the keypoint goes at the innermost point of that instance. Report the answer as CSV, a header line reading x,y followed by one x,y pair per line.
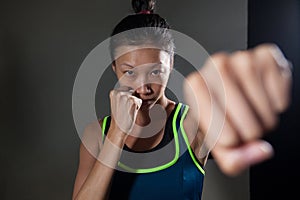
x,y
126,64
131,66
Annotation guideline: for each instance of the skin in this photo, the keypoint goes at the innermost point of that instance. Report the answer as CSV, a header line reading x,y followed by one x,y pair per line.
x,y
242,93
145,72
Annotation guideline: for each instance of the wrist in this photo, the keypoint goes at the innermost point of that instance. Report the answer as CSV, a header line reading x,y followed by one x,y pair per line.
x,y
111,150
117,137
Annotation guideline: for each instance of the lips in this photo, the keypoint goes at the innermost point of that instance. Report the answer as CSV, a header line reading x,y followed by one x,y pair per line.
x,y
143,99
147,101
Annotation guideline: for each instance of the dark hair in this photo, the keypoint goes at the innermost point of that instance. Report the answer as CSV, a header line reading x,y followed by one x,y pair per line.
x,y
143,27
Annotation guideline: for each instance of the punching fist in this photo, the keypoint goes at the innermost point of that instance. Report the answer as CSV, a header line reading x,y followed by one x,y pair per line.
x,y
236,99
124,108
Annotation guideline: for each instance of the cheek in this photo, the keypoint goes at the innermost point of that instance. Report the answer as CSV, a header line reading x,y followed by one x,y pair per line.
x,y
160,83
158,88
123,81
161,79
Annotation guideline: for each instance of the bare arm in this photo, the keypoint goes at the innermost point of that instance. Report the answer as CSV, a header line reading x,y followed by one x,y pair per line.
x,y
98,161
96,167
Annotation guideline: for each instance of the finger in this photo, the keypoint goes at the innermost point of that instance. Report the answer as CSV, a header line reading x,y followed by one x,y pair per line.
x,y
130,104
219,131
248,78
127,98
214,80
132,109
206,111
113,102
137,101
276,72
233,161
238,111
197,96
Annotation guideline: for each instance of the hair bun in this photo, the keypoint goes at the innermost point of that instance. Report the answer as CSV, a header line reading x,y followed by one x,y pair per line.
x,y
144,6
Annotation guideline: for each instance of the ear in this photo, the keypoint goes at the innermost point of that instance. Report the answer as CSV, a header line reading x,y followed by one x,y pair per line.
x,y
113,65
171,62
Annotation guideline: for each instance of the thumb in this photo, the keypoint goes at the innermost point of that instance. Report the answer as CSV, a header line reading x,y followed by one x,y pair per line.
x,y
137,101
234,160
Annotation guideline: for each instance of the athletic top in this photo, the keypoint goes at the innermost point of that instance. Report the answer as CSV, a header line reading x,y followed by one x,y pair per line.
x,y
170,170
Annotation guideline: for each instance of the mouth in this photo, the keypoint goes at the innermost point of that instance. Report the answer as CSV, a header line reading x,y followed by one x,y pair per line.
x,y
147,101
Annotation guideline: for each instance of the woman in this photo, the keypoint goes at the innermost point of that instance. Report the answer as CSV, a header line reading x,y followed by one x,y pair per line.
x,y
142,52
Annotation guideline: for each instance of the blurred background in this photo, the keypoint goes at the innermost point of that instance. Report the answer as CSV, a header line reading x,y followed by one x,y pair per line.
x,y
42,45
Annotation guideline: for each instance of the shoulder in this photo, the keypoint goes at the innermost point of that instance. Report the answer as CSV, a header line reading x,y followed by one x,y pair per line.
x,y
194,135
190,125
91,138
93,128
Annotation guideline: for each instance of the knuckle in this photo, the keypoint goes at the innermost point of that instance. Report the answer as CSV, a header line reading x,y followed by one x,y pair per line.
x,y
123,97
240,54
244,62
118,94
194,77
220,61
131,100
111,93
264,50
266,47
195,82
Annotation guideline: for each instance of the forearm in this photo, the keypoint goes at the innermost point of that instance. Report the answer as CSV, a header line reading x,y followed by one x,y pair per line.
x,y
96,185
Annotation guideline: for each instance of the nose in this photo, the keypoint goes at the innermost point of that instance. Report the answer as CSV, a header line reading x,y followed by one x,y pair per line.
x,y
143,90
142,85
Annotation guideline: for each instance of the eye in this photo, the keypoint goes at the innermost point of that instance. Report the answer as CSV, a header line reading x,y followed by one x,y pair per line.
x,y
155,72
129,73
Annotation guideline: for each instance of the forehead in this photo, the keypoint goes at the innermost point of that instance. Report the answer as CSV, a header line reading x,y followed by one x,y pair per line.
x,y
138,56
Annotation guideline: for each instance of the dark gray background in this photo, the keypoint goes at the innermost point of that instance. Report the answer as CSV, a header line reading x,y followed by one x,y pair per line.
x,y
279,22
42,45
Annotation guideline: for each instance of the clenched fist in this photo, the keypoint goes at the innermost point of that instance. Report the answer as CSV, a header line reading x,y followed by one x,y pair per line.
x,y
124,108
236,99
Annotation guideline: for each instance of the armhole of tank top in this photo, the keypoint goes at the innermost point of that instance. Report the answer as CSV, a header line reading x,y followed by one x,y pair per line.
x,y
196,162
104,123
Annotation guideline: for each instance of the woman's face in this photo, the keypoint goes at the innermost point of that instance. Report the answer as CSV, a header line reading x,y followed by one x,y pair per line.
x,y
145,71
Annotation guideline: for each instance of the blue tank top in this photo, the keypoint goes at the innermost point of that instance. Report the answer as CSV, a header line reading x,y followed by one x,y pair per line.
x,y
176,174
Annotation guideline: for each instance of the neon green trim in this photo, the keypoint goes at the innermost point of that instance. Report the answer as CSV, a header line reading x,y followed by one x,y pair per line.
x,y
154,169
187,141
104,127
